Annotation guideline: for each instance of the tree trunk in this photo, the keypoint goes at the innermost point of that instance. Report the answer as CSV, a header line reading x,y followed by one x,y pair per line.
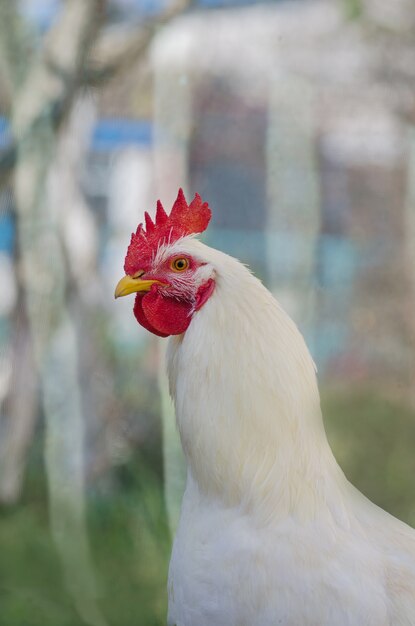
x,y
21,410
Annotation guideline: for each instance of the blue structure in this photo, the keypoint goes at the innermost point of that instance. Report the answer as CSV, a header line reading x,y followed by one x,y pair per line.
x,y
5,134
108,134
41,14
111,134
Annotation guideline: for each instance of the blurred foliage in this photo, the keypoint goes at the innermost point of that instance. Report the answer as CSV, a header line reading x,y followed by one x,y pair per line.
x,y
353,9
372,438
373,441
130,545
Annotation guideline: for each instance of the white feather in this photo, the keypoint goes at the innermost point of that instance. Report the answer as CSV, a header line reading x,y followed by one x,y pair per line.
x,y
270,532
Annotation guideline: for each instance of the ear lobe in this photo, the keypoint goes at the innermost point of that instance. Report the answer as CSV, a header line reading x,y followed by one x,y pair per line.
x,y
204,292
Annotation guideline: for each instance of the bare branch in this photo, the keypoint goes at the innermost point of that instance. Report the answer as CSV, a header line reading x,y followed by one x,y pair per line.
x,y
65,47
16,45
114,51
62,72
47,85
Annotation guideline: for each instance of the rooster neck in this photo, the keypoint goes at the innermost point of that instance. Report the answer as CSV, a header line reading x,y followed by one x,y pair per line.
x,y
247,403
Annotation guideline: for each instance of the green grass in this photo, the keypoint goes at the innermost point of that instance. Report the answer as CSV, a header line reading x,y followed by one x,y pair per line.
x,y
130,548
373,439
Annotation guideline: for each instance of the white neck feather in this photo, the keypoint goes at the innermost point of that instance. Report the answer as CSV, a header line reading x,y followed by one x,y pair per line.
x,y
247,402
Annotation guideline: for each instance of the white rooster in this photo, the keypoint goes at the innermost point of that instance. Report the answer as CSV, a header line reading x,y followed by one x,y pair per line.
x,y
271,532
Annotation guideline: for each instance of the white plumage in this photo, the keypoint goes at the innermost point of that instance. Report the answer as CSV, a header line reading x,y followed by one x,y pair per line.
x,y
271,532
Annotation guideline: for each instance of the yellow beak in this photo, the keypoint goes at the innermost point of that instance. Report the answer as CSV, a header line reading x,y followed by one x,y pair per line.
x,y
133,284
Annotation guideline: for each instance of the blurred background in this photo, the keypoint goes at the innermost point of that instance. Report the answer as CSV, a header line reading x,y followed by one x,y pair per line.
x,y
295,120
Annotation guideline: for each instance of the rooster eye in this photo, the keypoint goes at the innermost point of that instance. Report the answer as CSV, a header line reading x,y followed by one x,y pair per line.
x,y
179,265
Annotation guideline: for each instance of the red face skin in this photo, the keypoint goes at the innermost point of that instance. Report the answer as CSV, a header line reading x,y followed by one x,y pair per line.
x,y
168,308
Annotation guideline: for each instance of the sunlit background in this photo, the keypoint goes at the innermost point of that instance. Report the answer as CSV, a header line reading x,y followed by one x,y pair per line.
x,y
295,120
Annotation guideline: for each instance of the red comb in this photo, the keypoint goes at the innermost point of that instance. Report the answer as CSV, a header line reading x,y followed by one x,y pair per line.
x,y
184,219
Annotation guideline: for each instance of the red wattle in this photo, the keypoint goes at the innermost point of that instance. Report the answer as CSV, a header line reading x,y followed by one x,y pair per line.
x,y
161,315
141,318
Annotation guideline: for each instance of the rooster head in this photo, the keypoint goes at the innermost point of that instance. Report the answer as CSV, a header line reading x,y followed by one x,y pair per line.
x,y
170,283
